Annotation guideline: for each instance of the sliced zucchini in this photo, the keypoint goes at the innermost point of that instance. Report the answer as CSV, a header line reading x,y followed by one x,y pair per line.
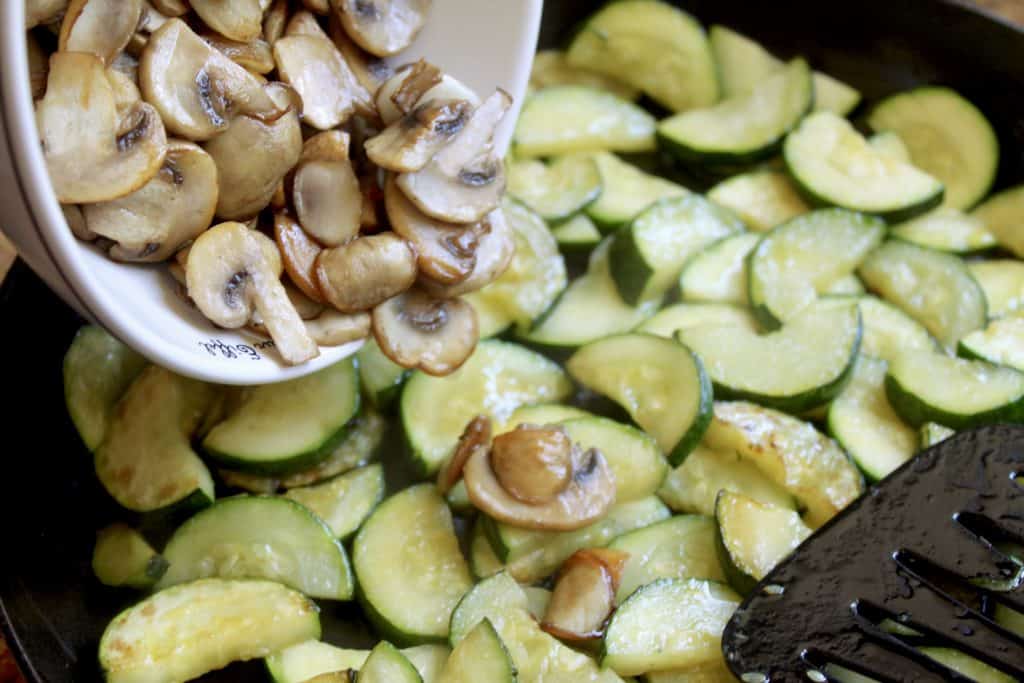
x,y
718,274
428,659
967,666
578,234
801,366
183,632
361,444
652,46
122,557
932,387
754,537
312,658
888,331
98,369
633,457
647,257
668,624
684,316
779,445
948,138
1010,619
932,433
347,676
1002,281
1001,343
718,672
387,664
146,462
571,321
490,599
626,191
498,378
763,199
660,383
534,555
481,656
381,378
558,190
679,548
805,257
482,560
831,94
534,279
537,600
566,119
693,486
864,423
410,569
1002,214
744,128
541,414
286,427
834,165
934,288
344,502
260,537
890,144
946,229
552,67
846,286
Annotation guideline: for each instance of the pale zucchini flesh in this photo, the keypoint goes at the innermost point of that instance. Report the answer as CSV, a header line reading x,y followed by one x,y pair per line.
x,y
634,458
344,502
890,144
831,94
888,331
481,656
762,199
946,229
1002,281
482,559
380,378
719,273
542,414
578,234
932,433
301,662
626,191
387,664
123,557
717,672
1001,343
1001,214
552,67
557,190
683,316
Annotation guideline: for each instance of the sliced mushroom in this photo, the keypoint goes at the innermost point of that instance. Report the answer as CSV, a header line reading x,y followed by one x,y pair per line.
x,y
588,493
39,12
331,145
418,81
334,328
448,89
128,65
370,219
584,594
93,154
197,89
445,252
366,272
330,92
304,306
274,21
494,252
149,23
407,145
304,23
171,8
477,433
38,66
76,222
126,92
317,6
299,253
170,211
327,200
533,463
382,27
240,20
416,330
102,27
252,157
371,71
254,56
465,181
229,277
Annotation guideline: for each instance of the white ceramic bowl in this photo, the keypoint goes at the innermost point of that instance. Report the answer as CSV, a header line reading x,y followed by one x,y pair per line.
x,y
484,43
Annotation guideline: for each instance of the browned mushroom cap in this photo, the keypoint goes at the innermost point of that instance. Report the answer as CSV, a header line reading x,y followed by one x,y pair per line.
x,y
299,253
43,11
382,27
165,214
476,434
361,274
93,154
252,157
534,464
334,328
415,330
38,66
253,56
171,8
197,89
445,252
588,493
465,181
274,21
102,27
371,71
407,145
449,89
584,594
230,277
420,78
494,251
240,20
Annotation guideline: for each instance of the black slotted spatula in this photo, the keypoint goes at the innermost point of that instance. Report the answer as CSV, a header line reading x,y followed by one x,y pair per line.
x,y
921,550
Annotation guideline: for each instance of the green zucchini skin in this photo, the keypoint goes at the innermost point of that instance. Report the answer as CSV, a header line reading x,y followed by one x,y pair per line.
x,y
917,412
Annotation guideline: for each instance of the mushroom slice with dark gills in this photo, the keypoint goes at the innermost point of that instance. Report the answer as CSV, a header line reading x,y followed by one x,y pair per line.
x,y
325,190
39,12
416,330
253,156
584,594
240,20
102,27
197,89
330,92
382,27
445,252
495,247
394,98
93,153
466,180
536,478
167,213
407,145
366,272
230,276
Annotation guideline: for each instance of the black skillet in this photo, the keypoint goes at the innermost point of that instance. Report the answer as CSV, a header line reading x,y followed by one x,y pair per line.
x,y
53,610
